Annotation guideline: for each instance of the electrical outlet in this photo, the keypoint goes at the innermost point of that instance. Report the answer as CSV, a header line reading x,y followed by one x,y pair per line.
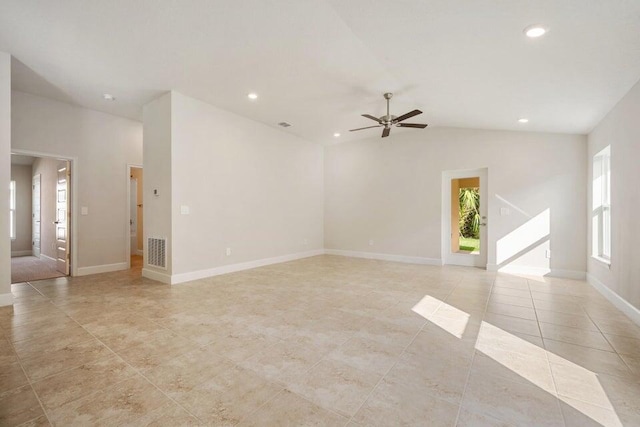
x,y
370,242
228,251
306,242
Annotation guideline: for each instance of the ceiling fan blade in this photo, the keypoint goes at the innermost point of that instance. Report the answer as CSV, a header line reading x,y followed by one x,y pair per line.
x,y
412,125
368,127
385,132
369,116
406,116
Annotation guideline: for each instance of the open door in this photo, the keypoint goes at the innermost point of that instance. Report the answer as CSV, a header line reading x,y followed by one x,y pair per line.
x,y
35,215
62,218
465,217
133,215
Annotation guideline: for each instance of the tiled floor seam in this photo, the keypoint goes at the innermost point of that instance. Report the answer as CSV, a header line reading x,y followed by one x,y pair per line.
x,y
546,355
473,355
44,410
384,375
395,363
139,373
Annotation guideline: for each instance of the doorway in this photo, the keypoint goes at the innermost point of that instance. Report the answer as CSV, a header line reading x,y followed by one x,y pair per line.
x,y
40,245
464,220
135,225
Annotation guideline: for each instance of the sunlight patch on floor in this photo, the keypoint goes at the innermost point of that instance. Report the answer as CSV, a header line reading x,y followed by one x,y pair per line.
x,y
446,316
571,383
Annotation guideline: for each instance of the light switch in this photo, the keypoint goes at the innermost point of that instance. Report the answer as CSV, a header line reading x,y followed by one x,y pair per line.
x,y
184,210
84,210
504,211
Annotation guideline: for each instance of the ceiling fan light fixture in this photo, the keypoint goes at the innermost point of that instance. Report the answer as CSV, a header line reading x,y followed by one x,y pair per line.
x,y
336,135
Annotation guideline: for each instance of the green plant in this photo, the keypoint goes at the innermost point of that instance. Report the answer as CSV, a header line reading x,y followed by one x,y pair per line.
x,y
469,224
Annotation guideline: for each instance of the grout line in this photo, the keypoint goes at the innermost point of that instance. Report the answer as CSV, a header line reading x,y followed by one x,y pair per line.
x,y
30,382
399,356
118,356
138,372
473,354
624,362
546,355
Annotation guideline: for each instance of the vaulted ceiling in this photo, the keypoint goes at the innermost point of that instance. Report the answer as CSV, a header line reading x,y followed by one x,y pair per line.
x,y
320,64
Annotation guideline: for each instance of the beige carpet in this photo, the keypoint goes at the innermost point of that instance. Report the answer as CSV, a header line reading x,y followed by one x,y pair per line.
x,y
29,268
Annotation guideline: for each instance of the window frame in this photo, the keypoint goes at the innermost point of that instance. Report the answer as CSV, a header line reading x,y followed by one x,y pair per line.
x,y
602,170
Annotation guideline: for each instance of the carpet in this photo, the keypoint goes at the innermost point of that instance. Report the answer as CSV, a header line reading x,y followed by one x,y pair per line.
x,y
29,268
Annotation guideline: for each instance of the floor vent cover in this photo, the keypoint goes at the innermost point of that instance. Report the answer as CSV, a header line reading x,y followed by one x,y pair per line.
x,y
157,252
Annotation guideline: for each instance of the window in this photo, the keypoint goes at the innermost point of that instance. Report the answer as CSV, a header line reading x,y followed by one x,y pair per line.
x,y
601,220
12,210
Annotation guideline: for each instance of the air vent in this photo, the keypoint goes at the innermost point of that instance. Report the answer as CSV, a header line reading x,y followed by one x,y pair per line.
x,y
284,124
157,252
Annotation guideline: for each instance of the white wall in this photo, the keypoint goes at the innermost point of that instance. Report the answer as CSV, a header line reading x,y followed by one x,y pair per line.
x,y
390,190
620,129
104,145
5,175
251,188
157,176
21,174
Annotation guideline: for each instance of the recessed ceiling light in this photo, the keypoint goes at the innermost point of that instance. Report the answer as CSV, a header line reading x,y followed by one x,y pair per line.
x,y
252,96
108,97
534,31
523,120
336,134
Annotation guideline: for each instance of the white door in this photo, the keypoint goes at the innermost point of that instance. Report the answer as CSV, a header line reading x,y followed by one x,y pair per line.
x,y
62,218
133,215
458,250
35,216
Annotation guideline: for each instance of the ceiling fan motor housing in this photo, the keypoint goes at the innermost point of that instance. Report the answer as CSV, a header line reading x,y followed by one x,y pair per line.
x,y
389,120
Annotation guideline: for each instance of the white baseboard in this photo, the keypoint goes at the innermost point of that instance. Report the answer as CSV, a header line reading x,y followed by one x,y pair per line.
x,y
105,268
21,253
6,299
232,268
620,303
385,257
156,275
538,271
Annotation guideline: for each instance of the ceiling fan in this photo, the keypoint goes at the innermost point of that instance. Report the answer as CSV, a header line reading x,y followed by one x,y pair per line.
x,y
389,120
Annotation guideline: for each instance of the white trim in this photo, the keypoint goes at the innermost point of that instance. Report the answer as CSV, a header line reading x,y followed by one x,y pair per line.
x,y
127,226
21,253
6,299
73,165
156,275
462,259
105,268
47,257
620,303
385,257
606,262
232,268
538,271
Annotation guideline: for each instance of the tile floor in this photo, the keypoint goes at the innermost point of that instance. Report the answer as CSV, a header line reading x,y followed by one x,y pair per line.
x,y
322,341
